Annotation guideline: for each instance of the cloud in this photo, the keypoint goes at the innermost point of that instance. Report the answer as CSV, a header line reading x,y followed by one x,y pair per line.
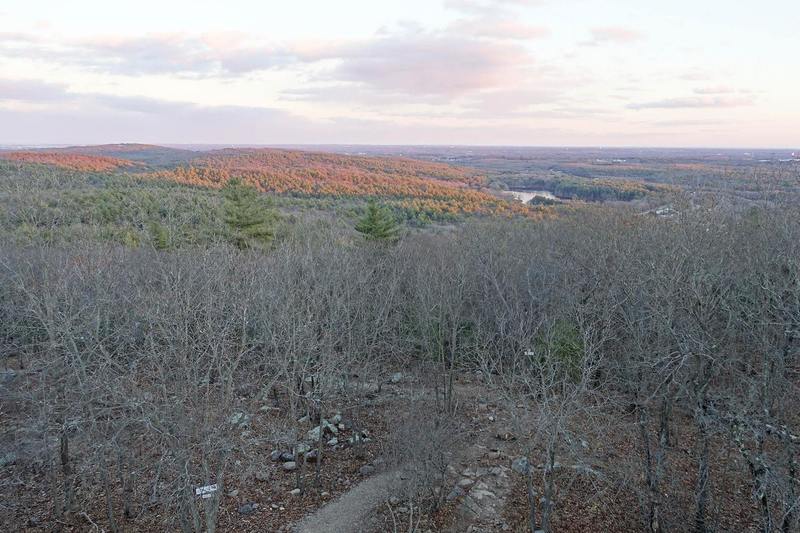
x,y
714,90
613,35
695,102
31,91
211,54
406,61
97,118
430,63
487,7
498,28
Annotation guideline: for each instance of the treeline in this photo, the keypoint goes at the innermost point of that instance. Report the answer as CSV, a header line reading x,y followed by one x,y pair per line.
x,y
596,189
652,359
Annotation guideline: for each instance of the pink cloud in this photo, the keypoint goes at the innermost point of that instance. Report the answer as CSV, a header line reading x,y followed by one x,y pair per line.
x,y
426,63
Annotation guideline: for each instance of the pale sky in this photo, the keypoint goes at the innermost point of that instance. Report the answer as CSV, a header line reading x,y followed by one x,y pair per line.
x,y
705,73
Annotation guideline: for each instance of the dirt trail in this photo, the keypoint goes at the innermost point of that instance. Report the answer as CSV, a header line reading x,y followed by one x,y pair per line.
x,y
350,513
480,472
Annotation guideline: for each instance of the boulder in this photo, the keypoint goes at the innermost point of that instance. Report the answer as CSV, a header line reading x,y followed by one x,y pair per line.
x,y
286,457
275,455
302,448
313,434
248,508
290,466
396,378
295,492
333,442
311,456
521,465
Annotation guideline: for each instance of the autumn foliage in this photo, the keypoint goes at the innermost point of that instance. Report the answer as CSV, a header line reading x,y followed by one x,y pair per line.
x,y
425,186
81,162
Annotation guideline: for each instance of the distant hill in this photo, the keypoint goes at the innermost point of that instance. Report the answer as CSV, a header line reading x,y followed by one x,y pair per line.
x,y
150,154
417,186
68,160
421,186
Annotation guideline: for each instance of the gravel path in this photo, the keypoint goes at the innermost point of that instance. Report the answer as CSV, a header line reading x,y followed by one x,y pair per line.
x,y
350,513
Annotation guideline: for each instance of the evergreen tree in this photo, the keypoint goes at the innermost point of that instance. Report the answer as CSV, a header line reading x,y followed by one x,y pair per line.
x,y
249,219
378,224
159,235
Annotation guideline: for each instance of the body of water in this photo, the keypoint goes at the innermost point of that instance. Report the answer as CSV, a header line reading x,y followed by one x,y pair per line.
x,y
525,196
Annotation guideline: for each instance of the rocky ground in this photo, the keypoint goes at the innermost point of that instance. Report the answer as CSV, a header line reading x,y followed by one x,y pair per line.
x,y
484,487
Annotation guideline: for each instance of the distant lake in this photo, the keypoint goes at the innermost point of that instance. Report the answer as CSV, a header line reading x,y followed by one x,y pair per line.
x,y
526,196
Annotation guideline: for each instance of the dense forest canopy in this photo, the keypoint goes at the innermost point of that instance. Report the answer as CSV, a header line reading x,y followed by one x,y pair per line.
x,y
161,333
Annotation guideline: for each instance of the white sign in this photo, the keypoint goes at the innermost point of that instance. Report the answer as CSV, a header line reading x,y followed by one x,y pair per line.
x,y
207,491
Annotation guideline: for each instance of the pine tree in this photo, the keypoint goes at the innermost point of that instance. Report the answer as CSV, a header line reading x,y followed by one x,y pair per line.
x,y
249,219
159,235
378,224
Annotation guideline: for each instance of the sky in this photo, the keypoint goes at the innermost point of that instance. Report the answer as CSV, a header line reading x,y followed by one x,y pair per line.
x,y
682,73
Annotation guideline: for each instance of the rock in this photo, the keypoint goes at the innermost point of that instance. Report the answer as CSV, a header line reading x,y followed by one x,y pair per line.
x,y
337,419
521,465
482,493
457,492
394,500
311,456
295,492
505,435
8,459
402,510
304,419
366,470
465,482
290,466
313,434
333,442
275,455
248,508
233,493
7,377
325,494
397,377
261,475
302,448
330,427
239,419
286,457
498,471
